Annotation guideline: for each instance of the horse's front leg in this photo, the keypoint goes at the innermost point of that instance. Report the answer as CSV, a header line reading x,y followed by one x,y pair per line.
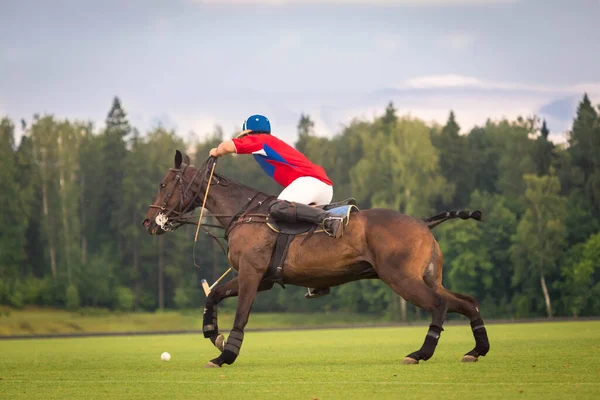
x,y
210,325
248,285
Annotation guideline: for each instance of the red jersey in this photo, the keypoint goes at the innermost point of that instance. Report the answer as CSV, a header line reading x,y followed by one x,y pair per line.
x,y
278,159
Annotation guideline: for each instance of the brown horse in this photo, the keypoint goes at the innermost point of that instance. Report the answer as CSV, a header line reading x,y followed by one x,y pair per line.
x,y
376,244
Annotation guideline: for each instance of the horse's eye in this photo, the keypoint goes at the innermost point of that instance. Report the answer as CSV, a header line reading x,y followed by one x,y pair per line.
x,y
163,185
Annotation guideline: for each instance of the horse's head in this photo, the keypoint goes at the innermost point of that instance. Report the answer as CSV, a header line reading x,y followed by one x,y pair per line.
x,y
177,194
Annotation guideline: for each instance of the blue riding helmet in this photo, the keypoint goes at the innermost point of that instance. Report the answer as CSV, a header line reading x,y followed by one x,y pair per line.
x,y
257,124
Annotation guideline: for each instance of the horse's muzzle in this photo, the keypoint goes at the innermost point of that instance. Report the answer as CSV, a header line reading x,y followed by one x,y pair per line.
x,y
152,227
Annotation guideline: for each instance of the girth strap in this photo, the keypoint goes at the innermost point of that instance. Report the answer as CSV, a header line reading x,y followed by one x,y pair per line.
x,y
280,250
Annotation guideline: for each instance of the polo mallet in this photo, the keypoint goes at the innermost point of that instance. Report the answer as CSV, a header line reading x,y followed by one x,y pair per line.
x,y
208,289
205,286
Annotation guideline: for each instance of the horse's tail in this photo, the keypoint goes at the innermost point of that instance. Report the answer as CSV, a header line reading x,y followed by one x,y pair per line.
x,y
437,219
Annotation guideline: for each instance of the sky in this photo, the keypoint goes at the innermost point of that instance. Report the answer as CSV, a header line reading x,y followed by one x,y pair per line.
x,y
192,64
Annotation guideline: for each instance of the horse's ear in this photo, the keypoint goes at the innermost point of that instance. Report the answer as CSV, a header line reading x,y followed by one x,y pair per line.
x,y
178,159
186,160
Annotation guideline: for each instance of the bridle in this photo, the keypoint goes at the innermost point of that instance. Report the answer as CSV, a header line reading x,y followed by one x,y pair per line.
x,y
169,219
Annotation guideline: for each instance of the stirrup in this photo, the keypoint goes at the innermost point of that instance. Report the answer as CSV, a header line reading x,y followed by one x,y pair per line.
x,y
317,293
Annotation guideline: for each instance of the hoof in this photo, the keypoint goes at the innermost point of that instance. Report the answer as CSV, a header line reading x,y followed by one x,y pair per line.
x,y
211,364
469,358
409,360
220,342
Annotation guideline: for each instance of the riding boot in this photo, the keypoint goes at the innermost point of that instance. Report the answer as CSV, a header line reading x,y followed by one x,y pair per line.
x,y
282,210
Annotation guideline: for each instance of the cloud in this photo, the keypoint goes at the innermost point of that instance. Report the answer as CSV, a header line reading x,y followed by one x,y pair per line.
x,y
461,81
458,41
443,81
385,3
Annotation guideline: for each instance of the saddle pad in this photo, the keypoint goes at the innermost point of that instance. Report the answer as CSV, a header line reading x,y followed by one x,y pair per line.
x,y
342,211
303,227
349,201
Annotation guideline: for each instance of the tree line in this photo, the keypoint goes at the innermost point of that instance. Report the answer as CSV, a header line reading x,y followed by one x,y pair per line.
x,y
74,197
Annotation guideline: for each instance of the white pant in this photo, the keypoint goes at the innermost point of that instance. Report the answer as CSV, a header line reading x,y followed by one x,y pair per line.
x,y
307,190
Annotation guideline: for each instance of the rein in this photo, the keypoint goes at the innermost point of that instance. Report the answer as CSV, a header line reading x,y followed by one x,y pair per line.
x,y
242,213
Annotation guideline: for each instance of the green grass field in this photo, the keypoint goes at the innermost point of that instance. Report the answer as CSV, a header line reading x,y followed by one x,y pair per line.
x,y
543,360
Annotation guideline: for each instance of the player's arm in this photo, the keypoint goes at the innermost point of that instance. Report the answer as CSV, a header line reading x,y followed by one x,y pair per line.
x,y
226,147
248,144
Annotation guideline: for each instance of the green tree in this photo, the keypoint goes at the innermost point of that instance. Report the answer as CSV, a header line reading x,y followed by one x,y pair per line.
x,y
74,198
475,258
584,146
502,152
69,142
133,208
13,217
91,187
582,141
400,170
113,155
389,117
34,263
543,151
44,135
486,153
306,129
580,222
581,278
455,162
158,254
516,158
540,238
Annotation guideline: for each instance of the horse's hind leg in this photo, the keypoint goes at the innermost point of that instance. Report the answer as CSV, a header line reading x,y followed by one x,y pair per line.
x,y
467,306
418,293
210,326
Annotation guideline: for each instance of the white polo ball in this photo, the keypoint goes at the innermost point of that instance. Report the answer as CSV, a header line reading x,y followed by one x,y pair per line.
x,y
165,356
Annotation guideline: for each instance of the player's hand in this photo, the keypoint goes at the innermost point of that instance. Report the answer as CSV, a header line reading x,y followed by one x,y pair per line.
x,y
213,152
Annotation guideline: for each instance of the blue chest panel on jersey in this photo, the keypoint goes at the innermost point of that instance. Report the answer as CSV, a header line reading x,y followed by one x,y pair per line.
x,y
270,155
